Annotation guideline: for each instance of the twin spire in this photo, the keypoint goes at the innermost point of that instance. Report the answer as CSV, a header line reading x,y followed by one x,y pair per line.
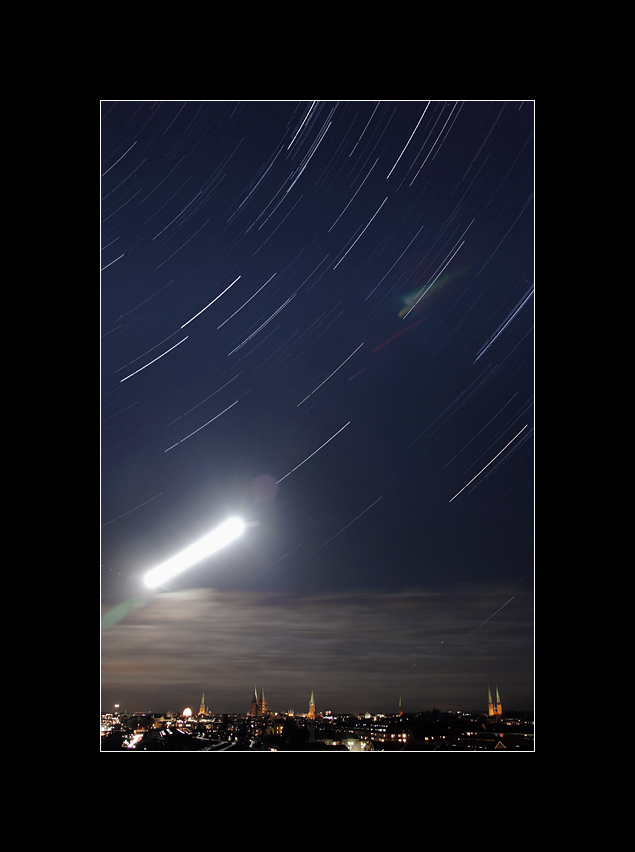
x,y
259,705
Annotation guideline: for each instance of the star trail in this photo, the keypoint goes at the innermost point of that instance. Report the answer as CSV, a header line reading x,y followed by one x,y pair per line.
x,y
318,316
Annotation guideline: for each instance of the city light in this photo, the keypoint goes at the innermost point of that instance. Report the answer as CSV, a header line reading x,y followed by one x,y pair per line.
x,y
213,541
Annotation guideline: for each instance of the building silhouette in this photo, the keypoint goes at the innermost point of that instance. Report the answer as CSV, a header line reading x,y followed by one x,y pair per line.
x,y
494,709
311,713
202,710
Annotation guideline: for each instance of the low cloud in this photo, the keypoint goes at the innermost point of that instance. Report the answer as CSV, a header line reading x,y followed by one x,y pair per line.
x,y
357,651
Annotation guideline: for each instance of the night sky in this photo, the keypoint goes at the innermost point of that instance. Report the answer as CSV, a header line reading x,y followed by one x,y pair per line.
x,y
318,315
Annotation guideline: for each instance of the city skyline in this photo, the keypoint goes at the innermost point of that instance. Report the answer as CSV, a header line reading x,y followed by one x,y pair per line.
x,y
317,317
256,709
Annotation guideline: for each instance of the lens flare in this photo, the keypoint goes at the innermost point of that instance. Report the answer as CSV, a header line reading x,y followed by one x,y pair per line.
x,y
213,541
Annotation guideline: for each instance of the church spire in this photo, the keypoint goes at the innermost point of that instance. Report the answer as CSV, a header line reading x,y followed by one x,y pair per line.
x,y
493,709
259,705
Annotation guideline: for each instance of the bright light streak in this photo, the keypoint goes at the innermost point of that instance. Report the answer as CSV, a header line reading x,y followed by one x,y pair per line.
x,y
314,452
435,142
260,327
362,233
408,142
349,523
489,462
245,303
200,427
217,539
353,198
302,125
328,377
120,158
492,615
153,361
111,263
504,325
210,304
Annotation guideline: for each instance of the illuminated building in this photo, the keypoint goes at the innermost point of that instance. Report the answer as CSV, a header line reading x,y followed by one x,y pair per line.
x,y
493,709
259,705
400,707
311,713
202,711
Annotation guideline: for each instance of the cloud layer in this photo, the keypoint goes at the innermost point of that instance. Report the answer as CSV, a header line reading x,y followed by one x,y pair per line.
x,y
357,651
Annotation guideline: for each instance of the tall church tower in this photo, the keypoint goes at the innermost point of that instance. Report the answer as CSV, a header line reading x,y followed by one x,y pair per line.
x,y
259,705
499,706
201,710
262,704
494,709
311,713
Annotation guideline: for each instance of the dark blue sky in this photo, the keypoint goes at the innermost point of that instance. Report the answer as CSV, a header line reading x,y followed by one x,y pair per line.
x,y
318,315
